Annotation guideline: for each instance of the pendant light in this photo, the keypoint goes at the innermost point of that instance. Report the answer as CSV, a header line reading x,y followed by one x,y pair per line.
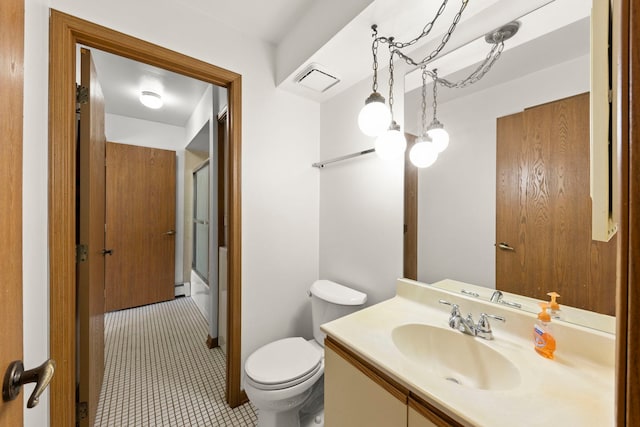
x,y
391,144
436,130
424,152
375,117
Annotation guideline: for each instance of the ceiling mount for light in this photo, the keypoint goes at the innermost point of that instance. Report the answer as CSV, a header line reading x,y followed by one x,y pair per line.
x,y
503,33
151,99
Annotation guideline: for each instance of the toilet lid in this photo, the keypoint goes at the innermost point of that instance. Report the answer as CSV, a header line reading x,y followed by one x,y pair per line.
x,y
283,361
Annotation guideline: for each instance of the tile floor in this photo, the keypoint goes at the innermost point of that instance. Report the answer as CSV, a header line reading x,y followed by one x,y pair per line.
x,y
159,372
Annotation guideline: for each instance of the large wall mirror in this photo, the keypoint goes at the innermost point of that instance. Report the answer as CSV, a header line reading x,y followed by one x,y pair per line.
x,y
507,205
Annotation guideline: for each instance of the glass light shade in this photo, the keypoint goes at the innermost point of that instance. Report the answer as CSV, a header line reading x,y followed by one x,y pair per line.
x,y
391,144
423,154
440,138
151,99
374,118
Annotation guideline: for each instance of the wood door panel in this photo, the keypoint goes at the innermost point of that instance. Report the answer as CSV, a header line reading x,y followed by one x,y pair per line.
x,y
410,238
141,185
509,265
543,208
11,110
91,218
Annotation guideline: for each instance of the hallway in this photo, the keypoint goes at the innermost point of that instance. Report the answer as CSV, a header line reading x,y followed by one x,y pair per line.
x,y
159,372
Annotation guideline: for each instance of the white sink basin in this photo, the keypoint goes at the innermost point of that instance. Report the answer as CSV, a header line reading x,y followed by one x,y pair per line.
x,y
459,358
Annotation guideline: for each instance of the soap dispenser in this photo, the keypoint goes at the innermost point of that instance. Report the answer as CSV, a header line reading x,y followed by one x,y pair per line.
x,y
554,307
543,340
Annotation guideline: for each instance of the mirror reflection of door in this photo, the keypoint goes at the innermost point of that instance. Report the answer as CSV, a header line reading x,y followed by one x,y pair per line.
x,y
543,208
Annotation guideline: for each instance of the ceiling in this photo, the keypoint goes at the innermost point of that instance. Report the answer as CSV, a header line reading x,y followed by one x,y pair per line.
x,y
122,79
345,53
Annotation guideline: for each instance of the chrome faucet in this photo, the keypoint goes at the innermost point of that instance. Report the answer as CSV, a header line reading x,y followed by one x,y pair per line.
x,y
496,296
467,326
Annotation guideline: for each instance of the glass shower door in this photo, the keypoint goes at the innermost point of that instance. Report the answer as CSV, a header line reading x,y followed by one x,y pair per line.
x,y
201,222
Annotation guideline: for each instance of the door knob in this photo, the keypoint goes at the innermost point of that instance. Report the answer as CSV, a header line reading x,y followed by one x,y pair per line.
x,y
505,246
107,252
16,377
170,232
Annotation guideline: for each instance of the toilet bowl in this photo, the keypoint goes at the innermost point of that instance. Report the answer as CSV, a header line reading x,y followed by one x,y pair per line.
x,y
285,378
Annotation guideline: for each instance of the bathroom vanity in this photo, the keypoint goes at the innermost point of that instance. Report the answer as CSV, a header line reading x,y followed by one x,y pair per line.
x,y
358,394
398,363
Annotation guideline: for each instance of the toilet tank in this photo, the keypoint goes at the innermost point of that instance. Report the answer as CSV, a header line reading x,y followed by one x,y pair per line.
x,y
329,301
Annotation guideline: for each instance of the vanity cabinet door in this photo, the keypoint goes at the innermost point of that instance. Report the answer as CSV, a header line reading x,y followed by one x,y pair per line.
x,y
355,397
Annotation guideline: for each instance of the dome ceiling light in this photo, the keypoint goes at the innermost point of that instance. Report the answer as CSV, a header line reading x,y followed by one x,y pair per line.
x,y
151,99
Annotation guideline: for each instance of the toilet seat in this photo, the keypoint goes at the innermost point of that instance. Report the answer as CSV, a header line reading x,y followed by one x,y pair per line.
x,y
283,364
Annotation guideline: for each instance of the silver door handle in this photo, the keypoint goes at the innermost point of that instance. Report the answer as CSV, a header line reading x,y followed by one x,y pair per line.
x,y
16,377
170,233
505,246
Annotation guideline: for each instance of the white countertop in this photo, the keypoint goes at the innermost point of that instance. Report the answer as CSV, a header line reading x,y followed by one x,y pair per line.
x,y
574,389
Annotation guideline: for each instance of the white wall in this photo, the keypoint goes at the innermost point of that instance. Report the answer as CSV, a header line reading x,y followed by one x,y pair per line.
x,y
280,136
361,200
457,195
144,133
35,200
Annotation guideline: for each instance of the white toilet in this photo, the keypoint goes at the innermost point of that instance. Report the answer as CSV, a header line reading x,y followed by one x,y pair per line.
x,y
285,379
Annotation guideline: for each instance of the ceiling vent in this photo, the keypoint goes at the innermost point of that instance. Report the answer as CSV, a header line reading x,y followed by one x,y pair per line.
x,y
316,78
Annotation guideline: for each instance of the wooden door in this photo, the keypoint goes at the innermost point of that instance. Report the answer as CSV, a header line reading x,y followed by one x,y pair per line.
x,y
91,220
11,93
410,239
543,208
141,205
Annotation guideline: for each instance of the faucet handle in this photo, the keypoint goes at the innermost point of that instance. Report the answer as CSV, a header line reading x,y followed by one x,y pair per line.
x,y
496,296
483,330
455,308
483,322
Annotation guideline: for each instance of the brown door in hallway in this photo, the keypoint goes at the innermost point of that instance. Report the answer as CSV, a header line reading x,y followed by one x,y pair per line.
x,y
11,93
543,208
91,220
140,231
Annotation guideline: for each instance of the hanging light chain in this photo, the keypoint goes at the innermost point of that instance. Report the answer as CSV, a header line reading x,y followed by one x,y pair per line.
x,y
435,94
479,72
424,100
374,49
425,31
391,81
436,51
